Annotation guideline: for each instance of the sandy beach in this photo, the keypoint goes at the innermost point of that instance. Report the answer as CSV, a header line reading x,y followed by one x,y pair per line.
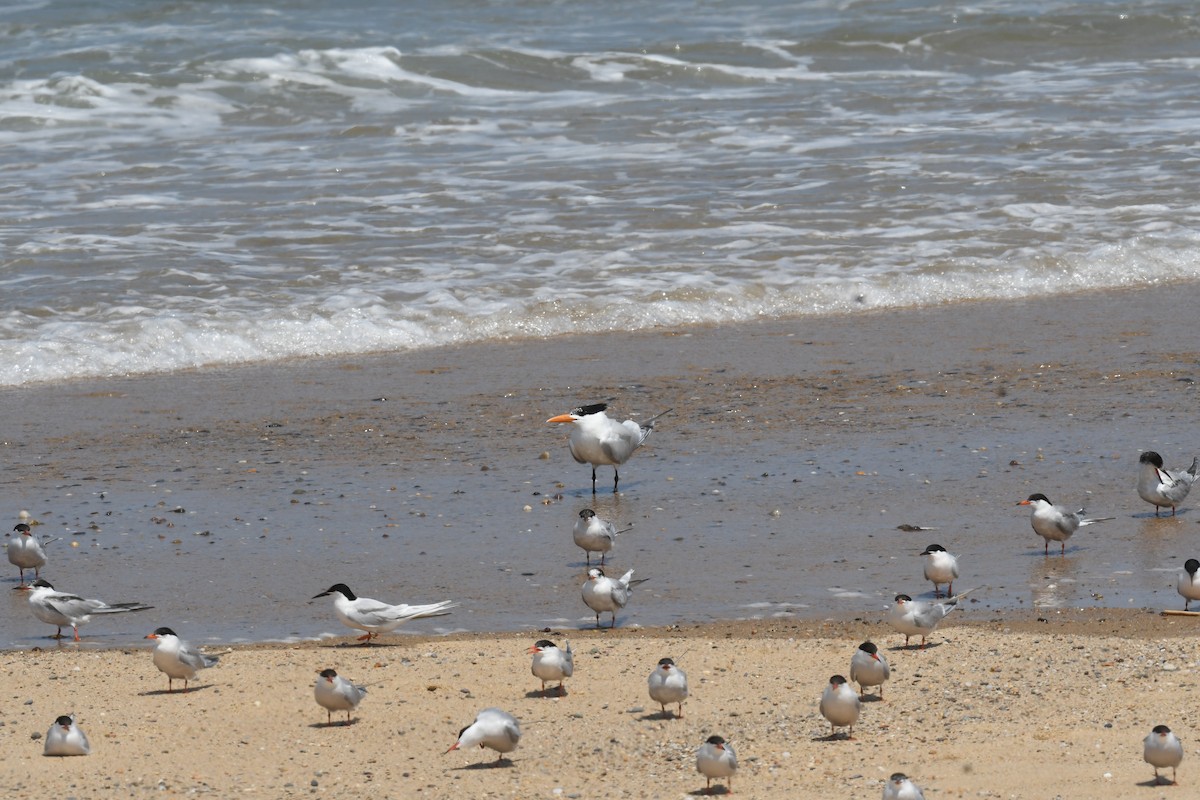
x,y
228,498
1008,709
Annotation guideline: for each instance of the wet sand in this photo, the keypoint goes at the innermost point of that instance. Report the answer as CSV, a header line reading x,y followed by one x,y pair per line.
x,y
774,489
1004,709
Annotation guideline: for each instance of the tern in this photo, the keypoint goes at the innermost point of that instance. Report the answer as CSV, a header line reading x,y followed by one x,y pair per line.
x,y
1162,487
940,567
492,728
901,787
668,684
1189,586
597,440
1162,749
716,759
594,535
1055,523
551,663
840,705
65,738
60,608
177,658
914,618
25,552
376,617
601,593
335,693
869,668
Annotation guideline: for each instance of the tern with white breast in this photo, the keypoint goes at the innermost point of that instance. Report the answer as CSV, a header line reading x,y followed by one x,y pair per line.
x,y
1161,487
375,617
60,608
600,441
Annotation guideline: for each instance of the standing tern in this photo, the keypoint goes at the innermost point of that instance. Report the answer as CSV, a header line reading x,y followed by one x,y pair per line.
x,y
601,593
551,663
716,759
668,684
1162,487
65,738
25,552
1162,749
1055,523
597,440
60,608
335,693
594,535
840,705
869,668
375,617
901,787
492,728
1189,586
940,567
177,658
914,618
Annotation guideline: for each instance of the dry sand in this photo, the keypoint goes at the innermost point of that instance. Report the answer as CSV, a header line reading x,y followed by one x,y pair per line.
x,y
1016,709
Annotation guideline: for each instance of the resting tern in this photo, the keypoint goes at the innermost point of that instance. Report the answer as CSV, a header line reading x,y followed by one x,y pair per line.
x,y
595,439
901,787
492,728
840,705
716,759
940,567
668,684
594,535
376,617
551,663
1055,523
1161,748
177,658
914,618
601,593
65,738
335,693
869,668
25,552
1189,585
60,608
1162,487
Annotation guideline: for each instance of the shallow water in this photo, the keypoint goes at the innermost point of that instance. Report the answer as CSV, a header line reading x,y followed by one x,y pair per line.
x,y
218,183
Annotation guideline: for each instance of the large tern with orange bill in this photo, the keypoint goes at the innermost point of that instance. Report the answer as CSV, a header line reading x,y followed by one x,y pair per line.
x,y
598,440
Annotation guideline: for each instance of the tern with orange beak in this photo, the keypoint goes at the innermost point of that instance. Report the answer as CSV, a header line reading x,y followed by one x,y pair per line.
x,y
492,728
1055,523
177,658
600,441
716,759
335,693
550,663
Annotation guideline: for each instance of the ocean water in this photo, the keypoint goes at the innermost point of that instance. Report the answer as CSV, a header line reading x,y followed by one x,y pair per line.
x,y
212,183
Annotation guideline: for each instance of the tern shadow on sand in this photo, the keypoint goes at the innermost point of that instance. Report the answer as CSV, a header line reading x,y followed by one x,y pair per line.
x,y
501,763
835,737
914,646
712,791
190,690
551,691
658,715
335,724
